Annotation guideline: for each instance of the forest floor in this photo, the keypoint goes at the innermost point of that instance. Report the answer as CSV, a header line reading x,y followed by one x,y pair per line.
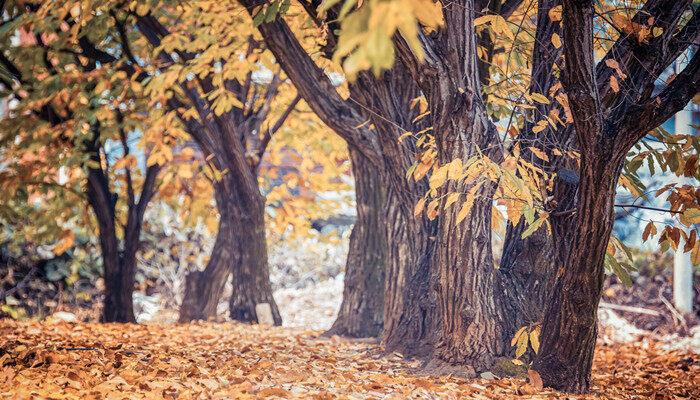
x,y
206,360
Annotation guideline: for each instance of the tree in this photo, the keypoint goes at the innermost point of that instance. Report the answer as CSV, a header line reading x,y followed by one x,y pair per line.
x,y
361,311
233,101
72,108
228,114
459,56
607,126
388,100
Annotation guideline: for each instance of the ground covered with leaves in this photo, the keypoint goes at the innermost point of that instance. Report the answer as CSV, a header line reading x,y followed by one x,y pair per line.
x,y
64,360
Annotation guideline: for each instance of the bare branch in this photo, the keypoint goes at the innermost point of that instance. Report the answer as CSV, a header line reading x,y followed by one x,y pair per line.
x,y
277,125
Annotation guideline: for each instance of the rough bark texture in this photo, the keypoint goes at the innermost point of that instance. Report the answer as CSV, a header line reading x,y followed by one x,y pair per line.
x,y
606,125
409,305
386,102
470,323
570,327
528,266
361,312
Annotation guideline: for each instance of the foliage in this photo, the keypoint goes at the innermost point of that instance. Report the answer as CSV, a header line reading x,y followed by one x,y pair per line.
x,y
249,362
524,177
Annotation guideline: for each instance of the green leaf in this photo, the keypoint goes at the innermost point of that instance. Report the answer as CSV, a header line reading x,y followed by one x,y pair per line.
x,y
533,227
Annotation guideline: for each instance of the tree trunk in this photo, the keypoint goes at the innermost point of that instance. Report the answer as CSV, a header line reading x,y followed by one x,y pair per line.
x,y
409,305
471,321
118,272
250,271
203,288
119,284
528,267
361,312
569,329
471,329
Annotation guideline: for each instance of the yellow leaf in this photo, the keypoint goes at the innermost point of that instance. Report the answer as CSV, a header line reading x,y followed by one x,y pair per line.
x,y
483,19
428,13
556,40
535,339
540,98
515,338
517,362
420,171
433,209
438,178
451,199
534,226
454,171
539,153
466,207
555,13
540,126
521,346
419,207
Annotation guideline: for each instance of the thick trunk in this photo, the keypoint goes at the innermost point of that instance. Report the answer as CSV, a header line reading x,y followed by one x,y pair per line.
x,y
203,289
409,305
250,271
361,312
119,284
471,329
118,268
569,328
469,309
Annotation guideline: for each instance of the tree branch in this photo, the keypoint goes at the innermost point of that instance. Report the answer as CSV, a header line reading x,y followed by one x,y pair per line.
x,y
654,112
580,79
277,125
315,87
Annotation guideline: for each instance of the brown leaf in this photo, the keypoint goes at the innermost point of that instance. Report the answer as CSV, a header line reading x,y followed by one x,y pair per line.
x,y
534,379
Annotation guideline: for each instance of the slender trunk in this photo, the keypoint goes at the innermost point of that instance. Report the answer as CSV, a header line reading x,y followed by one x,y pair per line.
x,y
203,289
569,328
250,271
361,312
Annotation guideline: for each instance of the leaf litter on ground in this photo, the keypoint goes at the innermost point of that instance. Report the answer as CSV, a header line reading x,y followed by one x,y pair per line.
x,y
60,360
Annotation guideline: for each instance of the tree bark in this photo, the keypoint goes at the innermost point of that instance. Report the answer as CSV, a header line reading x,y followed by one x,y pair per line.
x,y
409,305
118,270
250,271
361,312
118,303
569,326
203,288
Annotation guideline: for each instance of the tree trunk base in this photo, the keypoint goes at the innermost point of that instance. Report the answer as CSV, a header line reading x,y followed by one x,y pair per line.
x,y
557,376
243,310
194,305
436,366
